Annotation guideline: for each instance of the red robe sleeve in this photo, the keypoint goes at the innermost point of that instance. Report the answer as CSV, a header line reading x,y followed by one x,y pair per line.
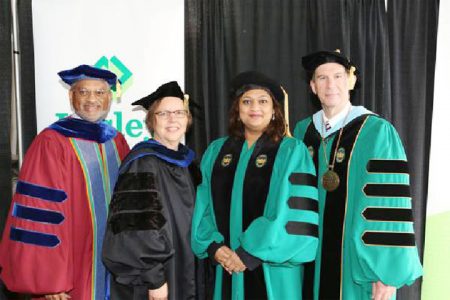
x,y
35,252
48,213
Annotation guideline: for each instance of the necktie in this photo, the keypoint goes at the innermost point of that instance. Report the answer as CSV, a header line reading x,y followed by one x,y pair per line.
x,y
327,126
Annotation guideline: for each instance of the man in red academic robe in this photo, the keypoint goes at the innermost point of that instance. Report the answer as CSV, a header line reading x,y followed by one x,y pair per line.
x,y
51,246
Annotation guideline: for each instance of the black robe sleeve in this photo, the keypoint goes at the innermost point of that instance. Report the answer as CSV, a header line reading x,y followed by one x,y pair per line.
x,y
138,239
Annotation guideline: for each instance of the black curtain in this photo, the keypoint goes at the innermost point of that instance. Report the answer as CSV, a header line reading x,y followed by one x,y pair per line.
x,y
27,108
28,101
394,49
413,28
5,110
224,38
27,72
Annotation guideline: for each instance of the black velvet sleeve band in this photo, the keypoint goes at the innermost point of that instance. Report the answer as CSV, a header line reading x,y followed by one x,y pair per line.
x,y
212,248
155,277
156,285
250,261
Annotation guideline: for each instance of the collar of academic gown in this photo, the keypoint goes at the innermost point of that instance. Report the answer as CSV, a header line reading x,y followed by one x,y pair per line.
x,y
99,132
182,157
354,113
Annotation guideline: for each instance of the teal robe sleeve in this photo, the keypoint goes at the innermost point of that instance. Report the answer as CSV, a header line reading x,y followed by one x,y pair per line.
x,y
287,231
204,227
382,234
300,128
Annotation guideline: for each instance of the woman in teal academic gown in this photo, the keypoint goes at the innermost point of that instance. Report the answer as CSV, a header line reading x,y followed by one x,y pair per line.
x,y
255,215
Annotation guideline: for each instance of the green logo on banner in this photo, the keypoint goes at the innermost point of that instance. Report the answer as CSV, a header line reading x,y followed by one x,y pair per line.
x,y
117,67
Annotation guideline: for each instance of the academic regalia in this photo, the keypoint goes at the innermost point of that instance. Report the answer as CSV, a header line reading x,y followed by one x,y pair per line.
x,y
147,237
55,226
366,224
261,202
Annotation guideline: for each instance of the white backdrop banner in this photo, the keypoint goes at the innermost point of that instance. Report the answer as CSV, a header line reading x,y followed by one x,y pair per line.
x,y
141,41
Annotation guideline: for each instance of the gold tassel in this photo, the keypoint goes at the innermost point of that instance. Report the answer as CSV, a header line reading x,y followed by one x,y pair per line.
x,y
286,112
186,102
118,89
351,78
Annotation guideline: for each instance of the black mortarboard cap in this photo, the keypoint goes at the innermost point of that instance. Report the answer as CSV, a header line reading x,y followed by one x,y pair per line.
x,y
311,61
88,72
258,79
169,89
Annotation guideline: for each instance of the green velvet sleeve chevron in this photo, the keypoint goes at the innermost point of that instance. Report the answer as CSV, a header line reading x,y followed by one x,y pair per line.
x,y
381,230
287,231
204,228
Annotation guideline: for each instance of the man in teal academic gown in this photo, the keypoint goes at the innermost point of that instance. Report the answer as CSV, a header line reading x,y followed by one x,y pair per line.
x,y
367,246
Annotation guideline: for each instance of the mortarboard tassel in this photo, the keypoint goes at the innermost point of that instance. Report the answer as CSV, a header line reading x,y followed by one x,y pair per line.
x,y
118,89
286,112
186,102
351,78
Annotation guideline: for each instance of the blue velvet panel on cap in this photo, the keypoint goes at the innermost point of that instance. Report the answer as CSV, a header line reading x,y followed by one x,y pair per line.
x,y
87,72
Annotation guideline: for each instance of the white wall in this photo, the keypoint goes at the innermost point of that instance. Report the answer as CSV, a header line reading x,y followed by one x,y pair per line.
x,y
437,235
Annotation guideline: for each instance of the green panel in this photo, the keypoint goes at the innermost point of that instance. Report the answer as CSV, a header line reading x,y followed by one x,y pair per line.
x,y
436,284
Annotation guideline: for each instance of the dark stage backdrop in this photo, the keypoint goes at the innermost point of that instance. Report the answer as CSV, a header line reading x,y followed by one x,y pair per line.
x,y
27,91
394,49
27,72
28,100
5,110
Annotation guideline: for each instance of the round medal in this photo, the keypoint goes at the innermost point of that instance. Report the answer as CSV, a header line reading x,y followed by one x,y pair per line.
x,y
330,180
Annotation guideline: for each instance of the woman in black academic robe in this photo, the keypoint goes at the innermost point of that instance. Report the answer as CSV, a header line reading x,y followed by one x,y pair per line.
x,y
146,247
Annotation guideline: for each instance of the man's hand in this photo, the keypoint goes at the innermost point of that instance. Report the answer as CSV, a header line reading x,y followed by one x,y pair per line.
x,y
229,260
222,255
234,263
381,291
161,293
60,296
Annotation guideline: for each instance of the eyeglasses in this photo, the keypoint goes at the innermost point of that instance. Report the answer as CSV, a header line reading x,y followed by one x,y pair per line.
x,y
178,114
85,93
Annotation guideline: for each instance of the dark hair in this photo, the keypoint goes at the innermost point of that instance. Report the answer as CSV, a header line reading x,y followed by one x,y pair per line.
x,y
276,129
150,117
311,74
